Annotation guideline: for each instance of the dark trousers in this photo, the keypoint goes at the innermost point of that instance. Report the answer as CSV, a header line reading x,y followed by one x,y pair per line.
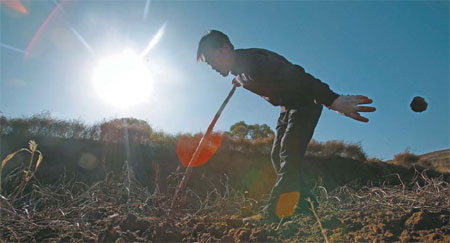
x,y
295,129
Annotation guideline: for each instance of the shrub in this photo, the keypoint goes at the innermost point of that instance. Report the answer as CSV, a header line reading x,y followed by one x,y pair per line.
x,y
355,151
314,147
336,148
374,160
426,164
406,159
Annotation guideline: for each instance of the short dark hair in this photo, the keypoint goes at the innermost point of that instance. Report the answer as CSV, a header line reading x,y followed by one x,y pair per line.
x,y
214,39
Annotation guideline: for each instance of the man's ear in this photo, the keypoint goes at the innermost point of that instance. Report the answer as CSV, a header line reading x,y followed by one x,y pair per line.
x,y
226,49
226,46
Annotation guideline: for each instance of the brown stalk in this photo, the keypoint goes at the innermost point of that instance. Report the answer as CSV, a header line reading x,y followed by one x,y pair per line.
x,y
318,219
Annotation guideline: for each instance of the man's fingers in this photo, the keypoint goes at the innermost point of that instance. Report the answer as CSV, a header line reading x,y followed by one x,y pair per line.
x,y
358,117
361,97
363,119
365,101
351,105
365,109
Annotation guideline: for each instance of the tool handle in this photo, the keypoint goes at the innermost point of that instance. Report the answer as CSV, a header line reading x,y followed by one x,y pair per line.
x,y
219,112
188,171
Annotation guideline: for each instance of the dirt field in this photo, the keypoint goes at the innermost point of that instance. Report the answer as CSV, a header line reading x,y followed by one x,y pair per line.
x,y
119,210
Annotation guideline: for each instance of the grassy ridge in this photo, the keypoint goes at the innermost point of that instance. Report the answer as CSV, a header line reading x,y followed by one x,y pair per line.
x,y
115,181
88,153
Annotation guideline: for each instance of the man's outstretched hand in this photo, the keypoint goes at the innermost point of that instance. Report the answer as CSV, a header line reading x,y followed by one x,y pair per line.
x,y
349,105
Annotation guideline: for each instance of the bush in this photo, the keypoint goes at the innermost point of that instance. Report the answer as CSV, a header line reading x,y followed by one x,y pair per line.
x,y
336,148
126,130
406,159
374,160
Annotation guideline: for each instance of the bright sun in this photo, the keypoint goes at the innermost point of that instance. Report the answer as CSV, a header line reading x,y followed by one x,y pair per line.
x,y
123,79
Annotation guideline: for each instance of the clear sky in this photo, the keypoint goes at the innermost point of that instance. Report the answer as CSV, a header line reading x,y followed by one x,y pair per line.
x,y
390,51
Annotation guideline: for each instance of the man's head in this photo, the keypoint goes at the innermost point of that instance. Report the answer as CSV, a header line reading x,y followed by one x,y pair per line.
x,y
217,51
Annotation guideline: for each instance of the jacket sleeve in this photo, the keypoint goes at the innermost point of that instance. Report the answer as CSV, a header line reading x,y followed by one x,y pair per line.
x,y
308,85
281,76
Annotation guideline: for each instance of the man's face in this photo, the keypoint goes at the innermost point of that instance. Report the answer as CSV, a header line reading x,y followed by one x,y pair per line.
x,y
220,60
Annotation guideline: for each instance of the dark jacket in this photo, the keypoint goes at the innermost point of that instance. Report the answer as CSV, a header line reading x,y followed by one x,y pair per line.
x,y
277,80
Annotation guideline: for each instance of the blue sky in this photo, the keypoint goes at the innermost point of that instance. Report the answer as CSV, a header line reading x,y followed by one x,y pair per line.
x,y
389,51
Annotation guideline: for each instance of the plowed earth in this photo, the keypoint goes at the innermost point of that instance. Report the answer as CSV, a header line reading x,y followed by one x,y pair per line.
x,y
114,212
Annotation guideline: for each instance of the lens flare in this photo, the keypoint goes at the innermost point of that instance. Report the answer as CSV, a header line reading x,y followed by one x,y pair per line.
x,y
44,24
259,181
287,202
146,9
73,30
82,40
188,144
16,5
3,45
154,40
88,161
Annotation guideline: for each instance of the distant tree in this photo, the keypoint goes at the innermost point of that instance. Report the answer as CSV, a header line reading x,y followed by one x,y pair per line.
x,y
239,130
21,127
41,123
162,137
126,130
94,132
260,131
256,131
5,127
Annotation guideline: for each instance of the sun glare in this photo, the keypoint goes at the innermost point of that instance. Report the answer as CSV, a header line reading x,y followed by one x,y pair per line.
x,y
123,79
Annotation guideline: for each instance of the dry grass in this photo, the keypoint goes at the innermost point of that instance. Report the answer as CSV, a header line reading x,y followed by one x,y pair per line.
x,y
28,172
422,193
72,207
120,208
317,219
